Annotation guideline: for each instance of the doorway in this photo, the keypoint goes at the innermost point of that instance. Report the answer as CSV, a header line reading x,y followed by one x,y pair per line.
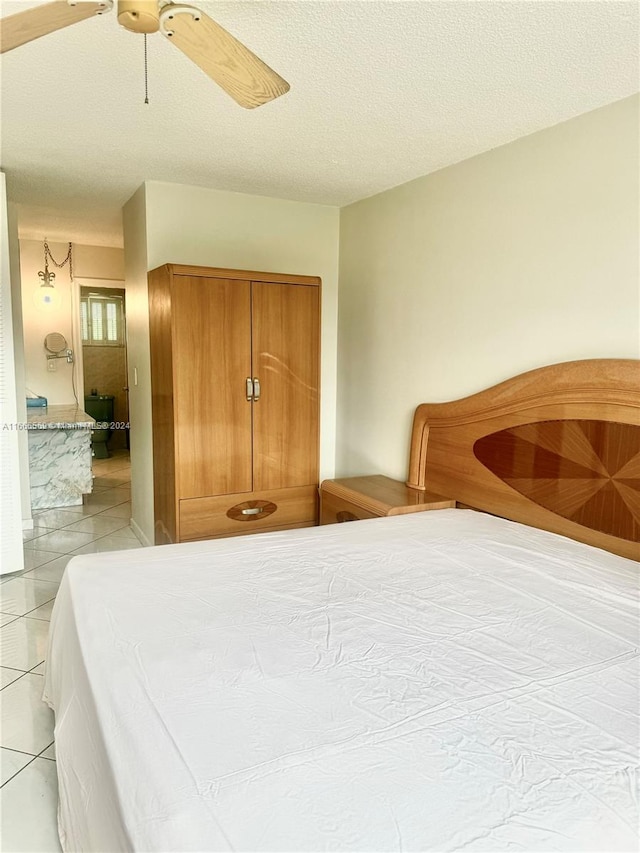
x,y
102,327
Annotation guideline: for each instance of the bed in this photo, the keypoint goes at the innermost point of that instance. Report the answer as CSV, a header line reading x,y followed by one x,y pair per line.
x,y
450,680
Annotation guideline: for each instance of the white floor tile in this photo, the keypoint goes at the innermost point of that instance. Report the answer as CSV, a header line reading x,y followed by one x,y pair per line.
x,y
120,511
19,596
88,509
23,643
27,723
10,762
111,465
52,571
98,482
98,525
38,670
109,543
7,676
122,490
108,481
27,535
33,559
5,618
106,499
50,752
56,518
9,576
126,533
32,793
61,541
43,612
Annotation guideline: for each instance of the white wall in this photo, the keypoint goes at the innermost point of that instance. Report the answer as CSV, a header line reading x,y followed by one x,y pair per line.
x,y
141,449
39,319
524,256
18,349
192,225
11,556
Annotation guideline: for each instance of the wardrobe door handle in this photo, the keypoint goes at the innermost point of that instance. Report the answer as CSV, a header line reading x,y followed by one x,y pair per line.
x,y
249,389
256,389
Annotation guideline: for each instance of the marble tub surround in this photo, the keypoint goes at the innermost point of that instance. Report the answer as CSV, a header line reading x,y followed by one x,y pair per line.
x,y
59,417
59,456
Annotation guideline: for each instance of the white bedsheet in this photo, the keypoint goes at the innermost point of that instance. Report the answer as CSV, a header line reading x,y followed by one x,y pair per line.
x,y
434,682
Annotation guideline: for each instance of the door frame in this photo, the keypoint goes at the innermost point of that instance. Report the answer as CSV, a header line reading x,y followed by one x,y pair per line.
x,y
76,331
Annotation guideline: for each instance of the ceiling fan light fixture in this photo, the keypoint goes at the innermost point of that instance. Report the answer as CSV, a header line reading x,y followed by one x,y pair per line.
x,y
139,16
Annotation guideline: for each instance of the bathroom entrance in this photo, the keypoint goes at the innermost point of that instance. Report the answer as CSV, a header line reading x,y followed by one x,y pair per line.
x,y
104,361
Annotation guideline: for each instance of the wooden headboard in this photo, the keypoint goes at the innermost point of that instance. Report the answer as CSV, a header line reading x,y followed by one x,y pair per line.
x,y
556,448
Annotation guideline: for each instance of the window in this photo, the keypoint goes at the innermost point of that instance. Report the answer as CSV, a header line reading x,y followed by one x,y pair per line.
x,y
102,318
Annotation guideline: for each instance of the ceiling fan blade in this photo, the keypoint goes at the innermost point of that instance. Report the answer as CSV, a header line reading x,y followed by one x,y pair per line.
x,y
248,80
26,26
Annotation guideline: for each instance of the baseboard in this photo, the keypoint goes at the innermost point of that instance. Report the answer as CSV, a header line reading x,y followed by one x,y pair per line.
x,y
138,531
27,523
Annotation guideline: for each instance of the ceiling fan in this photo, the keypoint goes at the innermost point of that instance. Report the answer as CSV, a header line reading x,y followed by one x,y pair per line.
x,y
242,75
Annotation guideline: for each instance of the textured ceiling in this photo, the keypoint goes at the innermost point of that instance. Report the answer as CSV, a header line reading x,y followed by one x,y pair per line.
x,y
381,92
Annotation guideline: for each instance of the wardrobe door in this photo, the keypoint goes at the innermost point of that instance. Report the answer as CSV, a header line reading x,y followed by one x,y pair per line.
x,y
212,360
285,355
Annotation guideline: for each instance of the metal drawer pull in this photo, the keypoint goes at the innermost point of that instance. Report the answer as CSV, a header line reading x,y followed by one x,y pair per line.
x,y
249,510
249,389
256,389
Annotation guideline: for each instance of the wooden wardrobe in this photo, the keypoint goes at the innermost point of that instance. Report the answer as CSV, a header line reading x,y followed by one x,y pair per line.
x,y
235,363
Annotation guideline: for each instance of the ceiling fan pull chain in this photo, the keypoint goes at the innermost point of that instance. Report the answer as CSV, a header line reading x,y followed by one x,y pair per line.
x,y
146,72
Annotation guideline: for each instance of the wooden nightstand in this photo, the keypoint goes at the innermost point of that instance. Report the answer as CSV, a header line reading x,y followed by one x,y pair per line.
x,y
355,498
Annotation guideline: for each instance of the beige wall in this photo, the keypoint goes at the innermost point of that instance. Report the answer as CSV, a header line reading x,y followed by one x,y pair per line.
x,y
38,320
134,221
524,256
192,225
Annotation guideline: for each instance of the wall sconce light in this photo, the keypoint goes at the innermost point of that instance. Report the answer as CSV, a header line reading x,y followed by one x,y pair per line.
x,y
47,278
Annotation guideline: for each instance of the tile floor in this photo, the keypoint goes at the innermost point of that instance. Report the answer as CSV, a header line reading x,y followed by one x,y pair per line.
x,y
28,792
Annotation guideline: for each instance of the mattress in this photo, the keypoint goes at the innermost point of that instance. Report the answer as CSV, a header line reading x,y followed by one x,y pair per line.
x,y
438,681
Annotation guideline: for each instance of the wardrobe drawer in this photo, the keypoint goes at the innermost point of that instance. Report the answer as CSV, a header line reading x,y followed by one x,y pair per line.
x,y
247,512
258,530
